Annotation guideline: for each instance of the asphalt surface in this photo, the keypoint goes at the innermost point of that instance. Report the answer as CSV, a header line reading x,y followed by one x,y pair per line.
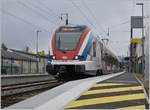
x,y
120,92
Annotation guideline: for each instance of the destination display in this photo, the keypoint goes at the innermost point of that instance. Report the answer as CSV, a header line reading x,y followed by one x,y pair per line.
x,y
71,29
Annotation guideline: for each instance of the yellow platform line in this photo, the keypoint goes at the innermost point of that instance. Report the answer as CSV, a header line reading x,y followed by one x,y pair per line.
x,y
107,84
141,107
109,90
102,100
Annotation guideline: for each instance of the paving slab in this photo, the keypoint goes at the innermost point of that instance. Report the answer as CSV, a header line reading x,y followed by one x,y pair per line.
x,y
120,92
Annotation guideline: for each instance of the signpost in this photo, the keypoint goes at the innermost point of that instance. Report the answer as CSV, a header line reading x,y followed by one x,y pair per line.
x,y
136,22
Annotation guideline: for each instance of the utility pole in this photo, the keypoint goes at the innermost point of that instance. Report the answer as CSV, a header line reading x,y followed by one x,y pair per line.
x,y
108,32
131,53
37,56
143,62
66,14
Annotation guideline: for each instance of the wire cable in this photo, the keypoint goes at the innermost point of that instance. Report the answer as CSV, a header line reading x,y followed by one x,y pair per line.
x,y
74,4
120,24
27,22
52,12
92,15
26,6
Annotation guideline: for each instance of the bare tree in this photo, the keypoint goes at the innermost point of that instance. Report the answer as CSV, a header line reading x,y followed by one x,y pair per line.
x,y
3,46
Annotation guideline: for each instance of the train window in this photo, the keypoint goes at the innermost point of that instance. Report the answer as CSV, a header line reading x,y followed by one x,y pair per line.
x,y
94,49
67,40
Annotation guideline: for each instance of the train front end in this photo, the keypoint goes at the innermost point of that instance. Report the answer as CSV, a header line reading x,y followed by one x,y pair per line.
x,y
67,51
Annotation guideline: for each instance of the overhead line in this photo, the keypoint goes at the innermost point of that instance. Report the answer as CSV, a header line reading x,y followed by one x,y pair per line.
x,y
54,14
42,10
85,16
125,22
116,25
23,4
92,14
21,19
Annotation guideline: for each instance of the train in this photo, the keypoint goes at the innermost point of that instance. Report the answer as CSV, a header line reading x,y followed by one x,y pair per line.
x,y
77,50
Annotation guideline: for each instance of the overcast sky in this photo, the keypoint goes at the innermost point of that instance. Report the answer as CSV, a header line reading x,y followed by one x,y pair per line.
x,y
22,18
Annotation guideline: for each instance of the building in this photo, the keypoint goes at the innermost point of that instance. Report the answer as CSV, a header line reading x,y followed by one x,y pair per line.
x,y
20,62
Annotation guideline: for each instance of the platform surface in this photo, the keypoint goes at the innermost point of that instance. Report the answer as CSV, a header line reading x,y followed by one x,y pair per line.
x,y
120,92
114,91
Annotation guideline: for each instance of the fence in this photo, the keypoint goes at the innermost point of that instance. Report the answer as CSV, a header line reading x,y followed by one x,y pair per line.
x,y
22,65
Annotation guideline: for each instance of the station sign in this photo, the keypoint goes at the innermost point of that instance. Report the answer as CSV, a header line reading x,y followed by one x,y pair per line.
x,y
136,40
136,22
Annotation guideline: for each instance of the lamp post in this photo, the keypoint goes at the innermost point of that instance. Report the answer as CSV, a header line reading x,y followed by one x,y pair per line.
x,y
66,14
37,57
142,5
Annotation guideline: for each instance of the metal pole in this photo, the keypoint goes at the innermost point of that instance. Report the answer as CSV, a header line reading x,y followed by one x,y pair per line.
x,y
11,66
67,19
108,32
2,66
66,14
143,62
37,64
131,54
30,65
21,66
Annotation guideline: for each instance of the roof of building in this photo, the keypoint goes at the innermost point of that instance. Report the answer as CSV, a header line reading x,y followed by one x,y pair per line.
x,y
7,54
28,53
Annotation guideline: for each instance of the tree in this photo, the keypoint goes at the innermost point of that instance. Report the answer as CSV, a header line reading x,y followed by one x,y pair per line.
x,y
42,53
26,49
3,46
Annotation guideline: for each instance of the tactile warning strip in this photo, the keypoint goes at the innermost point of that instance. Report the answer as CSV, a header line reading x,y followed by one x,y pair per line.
x,y
110,95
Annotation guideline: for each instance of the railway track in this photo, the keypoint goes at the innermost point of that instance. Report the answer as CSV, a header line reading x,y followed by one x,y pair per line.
x,y
28,86
11,94
23,87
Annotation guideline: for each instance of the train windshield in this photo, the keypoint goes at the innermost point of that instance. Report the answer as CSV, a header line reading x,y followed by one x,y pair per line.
x,y
67,40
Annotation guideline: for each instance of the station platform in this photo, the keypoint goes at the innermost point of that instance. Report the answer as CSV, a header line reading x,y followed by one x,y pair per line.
x,y
114,91
120,92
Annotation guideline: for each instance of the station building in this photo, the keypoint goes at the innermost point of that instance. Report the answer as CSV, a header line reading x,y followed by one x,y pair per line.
x,y
20,62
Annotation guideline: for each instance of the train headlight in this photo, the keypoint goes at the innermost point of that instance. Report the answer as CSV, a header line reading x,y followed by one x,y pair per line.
x,y
76,57
53,57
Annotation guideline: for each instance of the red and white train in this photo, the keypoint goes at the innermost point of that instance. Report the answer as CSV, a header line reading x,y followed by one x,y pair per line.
x,y
76,50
